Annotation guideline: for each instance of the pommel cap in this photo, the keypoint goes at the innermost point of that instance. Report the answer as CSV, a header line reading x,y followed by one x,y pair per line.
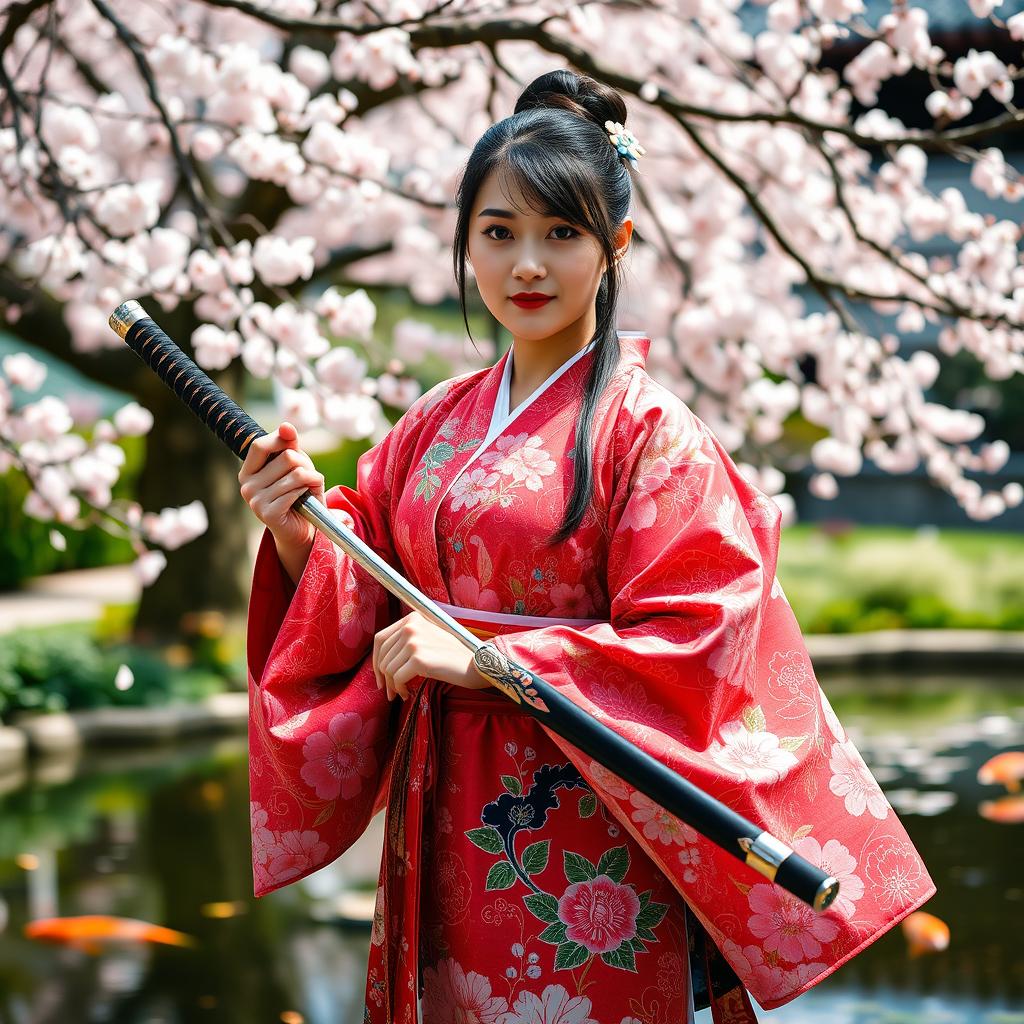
x,y
125,315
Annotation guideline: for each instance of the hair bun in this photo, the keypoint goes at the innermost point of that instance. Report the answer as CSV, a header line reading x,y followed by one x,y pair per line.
x,y
582,95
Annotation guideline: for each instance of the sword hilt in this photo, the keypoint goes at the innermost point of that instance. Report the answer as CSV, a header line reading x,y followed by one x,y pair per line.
x,y
207,400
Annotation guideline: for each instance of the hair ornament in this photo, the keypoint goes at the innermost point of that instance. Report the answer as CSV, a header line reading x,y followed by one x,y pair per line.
x,y
624,141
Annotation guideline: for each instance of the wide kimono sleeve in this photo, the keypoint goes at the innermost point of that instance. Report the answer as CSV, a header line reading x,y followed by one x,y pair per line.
x,y
703,665
320,731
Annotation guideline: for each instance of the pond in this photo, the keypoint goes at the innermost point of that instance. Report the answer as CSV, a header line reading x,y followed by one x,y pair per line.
x,y
162,834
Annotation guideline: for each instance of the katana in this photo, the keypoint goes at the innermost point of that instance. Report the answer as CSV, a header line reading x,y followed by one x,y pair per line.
x,y
756,847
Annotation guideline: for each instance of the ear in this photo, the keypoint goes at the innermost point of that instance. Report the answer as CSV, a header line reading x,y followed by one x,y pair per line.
x,y
622,238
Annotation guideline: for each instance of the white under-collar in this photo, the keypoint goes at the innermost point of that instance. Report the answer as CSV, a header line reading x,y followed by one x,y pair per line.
x,y
503,414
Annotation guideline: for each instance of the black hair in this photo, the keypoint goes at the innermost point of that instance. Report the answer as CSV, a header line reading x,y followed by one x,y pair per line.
x,y
555,147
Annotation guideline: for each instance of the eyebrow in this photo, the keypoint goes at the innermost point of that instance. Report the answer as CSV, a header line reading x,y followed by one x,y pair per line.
x,y
507,214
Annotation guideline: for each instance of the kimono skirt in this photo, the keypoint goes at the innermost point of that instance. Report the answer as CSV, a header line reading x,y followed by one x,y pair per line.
x,y
532,903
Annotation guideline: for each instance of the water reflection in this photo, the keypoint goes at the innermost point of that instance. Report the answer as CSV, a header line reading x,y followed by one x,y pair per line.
x,y
162,834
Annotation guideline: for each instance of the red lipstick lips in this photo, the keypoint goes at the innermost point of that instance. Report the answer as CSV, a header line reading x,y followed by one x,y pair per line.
x,y
531,300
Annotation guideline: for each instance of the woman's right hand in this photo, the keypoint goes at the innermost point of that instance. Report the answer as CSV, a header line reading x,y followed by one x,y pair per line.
x,y
270,486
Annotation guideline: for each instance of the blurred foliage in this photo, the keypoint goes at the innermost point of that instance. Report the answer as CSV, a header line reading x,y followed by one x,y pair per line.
x,y
73,667
843,579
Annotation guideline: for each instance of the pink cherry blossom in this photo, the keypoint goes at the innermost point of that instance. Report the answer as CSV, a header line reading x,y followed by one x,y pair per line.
x,y
23,371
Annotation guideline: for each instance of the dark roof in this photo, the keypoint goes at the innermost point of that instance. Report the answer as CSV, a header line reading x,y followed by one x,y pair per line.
x,y
943,15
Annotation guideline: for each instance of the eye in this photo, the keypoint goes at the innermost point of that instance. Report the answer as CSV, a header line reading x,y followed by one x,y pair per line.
x,y
501,227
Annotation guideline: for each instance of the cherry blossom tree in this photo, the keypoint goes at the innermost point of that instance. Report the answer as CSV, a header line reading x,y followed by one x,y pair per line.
x,y
247,169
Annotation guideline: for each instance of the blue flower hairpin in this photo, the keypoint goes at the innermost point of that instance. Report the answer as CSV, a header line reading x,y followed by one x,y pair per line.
x,y
624,141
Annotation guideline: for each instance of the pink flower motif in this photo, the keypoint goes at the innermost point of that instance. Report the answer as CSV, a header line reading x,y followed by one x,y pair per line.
x,y
852,780
641,509
658,823
472,488
467,593
339,759
296,853
600,914
450,994
836,860
553,1006
894,870
262,837
751,756
756,972
521,458
792,683
790,928
570,602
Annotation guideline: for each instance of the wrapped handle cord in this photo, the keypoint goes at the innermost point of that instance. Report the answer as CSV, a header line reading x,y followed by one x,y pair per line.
x,y
720,824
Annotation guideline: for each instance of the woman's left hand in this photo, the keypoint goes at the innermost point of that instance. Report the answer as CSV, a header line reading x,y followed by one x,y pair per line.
x,y
413,646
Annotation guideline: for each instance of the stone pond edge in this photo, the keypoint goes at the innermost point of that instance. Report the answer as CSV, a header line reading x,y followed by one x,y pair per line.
x,y
918,649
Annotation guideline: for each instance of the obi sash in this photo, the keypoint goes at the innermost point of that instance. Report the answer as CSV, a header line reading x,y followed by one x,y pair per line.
x,y
393,969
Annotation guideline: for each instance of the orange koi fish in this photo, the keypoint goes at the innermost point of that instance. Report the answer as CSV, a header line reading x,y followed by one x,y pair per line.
x,y
1007,810
925,933
90,931
1007,768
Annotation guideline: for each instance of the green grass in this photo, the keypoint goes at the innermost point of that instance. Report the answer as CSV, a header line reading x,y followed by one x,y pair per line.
x,y
891,577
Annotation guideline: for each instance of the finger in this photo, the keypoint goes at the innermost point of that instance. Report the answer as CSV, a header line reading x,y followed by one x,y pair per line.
x,y
273,470
378,650
263,447
277,511
402,677
294,483
387,662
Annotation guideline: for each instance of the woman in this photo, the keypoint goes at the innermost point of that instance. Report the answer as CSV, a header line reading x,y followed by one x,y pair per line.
x,y
567,505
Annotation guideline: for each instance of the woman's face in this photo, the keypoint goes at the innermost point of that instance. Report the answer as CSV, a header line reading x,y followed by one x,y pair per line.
x,y
514,249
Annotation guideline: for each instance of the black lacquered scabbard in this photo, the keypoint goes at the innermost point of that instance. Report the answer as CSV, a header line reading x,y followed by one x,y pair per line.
x,y
710,817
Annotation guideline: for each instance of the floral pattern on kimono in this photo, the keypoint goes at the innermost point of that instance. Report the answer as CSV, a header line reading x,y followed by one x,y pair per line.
x,y
693,654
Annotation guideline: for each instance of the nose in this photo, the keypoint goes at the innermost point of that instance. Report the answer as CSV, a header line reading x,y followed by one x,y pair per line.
x,y
528,267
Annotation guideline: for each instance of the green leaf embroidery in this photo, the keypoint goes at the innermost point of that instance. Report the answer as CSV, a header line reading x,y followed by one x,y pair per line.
x,y
623,958
577,868
438,454
501,876
466,445
487,838
535,857
754,720
614,863
588,804
554,933
512,784
570,955
651,915
792,743
646,933
638,945
543,906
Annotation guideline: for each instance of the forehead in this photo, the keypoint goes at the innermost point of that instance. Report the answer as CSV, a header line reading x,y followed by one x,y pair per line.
x,y
501,192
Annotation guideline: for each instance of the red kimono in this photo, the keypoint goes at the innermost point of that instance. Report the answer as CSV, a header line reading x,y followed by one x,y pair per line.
x,y
521,881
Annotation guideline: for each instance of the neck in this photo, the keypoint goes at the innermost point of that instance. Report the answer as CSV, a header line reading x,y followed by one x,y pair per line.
x,y
535,359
